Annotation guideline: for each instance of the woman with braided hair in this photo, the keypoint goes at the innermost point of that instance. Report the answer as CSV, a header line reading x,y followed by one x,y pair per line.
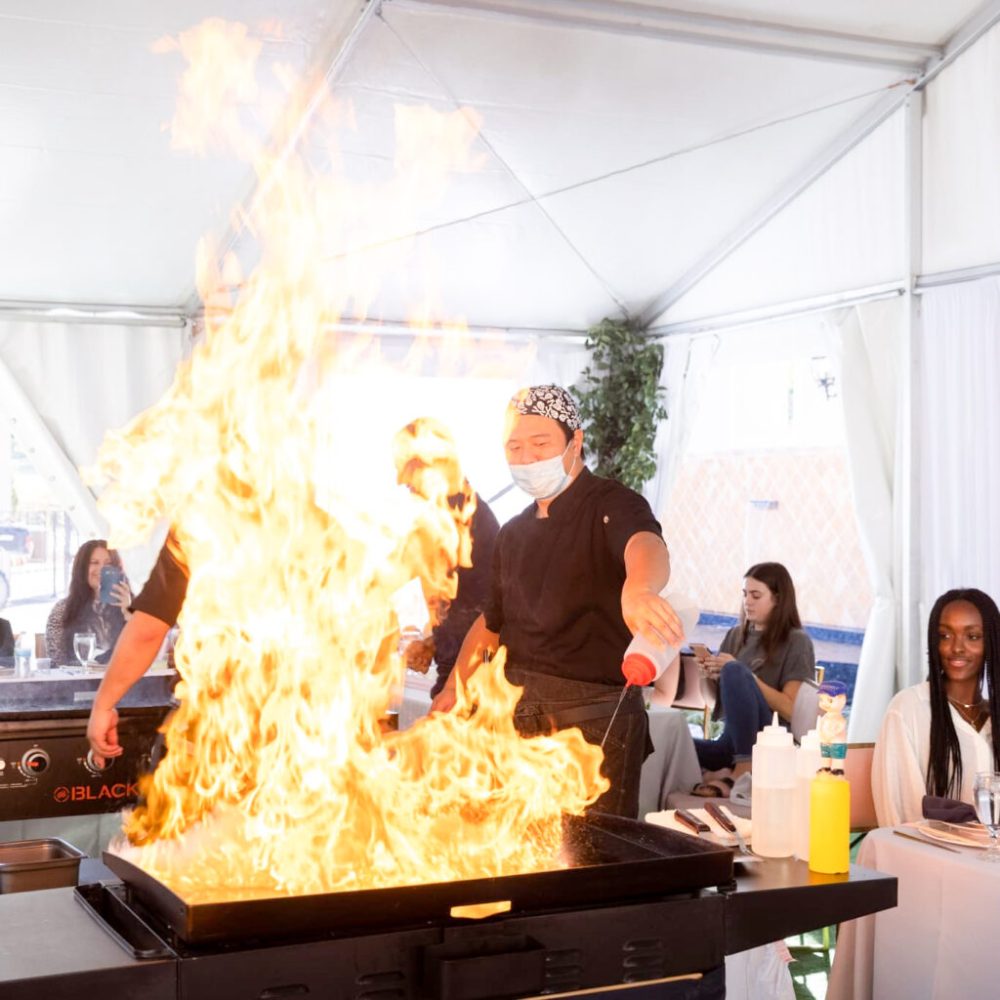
x,y
938,734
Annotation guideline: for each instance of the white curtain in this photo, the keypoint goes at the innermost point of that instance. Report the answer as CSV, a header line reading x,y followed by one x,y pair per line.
x,y
870,348
959,352
685,372
65,386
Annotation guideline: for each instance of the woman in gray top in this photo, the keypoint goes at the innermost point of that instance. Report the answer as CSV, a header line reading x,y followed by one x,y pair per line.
x,y
759,667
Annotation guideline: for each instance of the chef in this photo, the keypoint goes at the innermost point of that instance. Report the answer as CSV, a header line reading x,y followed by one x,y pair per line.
x,y
575,575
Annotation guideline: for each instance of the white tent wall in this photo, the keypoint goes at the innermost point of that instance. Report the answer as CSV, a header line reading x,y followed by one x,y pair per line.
x,y
871,347
68,384
959,522
961,153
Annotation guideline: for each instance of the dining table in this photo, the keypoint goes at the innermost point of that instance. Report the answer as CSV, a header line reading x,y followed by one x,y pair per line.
x,y
936,943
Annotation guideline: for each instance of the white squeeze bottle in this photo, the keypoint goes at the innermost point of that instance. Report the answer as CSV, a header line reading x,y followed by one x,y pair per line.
x,y
643,662
772,805
808,761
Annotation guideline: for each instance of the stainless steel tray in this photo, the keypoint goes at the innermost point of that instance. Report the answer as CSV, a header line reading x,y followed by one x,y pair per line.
x,y
26,865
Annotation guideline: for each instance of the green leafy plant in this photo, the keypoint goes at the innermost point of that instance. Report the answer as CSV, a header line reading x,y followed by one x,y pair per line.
x,y
621,401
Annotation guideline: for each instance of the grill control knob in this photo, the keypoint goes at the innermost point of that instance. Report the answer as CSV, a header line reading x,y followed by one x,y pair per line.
x,y
35,761
91,765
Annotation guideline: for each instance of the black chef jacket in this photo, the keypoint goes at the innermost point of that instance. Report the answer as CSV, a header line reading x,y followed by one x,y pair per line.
x,y
557,581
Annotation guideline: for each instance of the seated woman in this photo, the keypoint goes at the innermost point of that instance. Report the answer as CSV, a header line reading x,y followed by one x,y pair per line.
x,y
758,670
938,734
82,609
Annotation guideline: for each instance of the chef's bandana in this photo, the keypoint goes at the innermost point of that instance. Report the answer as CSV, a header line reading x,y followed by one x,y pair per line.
x,y
551,401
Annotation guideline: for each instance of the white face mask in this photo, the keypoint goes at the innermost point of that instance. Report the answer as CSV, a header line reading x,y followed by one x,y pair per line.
x,y
543,479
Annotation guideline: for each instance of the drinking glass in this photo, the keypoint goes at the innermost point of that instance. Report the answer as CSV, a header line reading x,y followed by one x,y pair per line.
x,y
84,645
987,794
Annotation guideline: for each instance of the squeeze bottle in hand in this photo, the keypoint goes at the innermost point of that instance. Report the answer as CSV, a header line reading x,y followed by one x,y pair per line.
x,y
643,662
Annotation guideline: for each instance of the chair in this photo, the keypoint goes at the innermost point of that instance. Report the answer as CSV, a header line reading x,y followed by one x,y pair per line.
x,y
858,771
696,693
805,710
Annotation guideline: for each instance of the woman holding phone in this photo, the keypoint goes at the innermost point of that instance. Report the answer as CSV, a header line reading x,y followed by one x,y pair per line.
x,y
758,670
89,606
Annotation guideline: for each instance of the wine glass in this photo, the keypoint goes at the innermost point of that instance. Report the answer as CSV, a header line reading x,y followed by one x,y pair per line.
x,y
987,794
84,645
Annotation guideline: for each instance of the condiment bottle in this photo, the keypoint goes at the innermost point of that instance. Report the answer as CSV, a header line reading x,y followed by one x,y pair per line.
x,y
643,662
830,793
772,804
808,761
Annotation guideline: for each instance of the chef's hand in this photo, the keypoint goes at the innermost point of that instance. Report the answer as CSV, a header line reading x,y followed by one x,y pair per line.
x,y
121,597
712,665
102,732
647,613
444,700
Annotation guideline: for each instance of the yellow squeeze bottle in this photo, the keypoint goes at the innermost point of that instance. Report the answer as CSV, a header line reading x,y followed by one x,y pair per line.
x,y
830,793
829,823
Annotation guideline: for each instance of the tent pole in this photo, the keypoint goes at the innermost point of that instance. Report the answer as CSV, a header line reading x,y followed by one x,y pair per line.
x,y
942,279
644,20
778,312
907,485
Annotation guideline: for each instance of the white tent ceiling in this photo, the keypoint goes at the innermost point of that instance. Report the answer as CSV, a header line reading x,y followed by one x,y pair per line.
x,y
623,144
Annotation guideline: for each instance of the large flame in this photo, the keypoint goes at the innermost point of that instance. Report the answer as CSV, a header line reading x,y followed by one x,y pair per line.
x,y
278,777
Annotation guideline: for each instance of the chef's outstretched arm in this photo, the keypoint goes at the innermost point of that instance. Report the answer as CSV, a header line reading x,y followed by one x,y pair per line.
x,y
479,641
137,646
647,570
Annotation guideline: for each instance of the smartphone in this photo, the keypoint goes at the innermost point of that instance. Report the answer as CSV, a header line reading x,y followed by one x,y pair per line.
x,y
700,650
111,576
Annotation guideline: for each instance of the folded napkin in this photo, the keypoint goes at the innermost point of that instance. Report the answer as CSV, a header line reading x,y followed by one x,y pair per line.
x,y
949,810
717,835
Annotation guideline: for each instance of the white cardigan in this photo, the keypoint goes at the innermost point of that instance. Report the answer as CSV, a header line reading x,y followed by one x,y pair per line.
x,y
899,765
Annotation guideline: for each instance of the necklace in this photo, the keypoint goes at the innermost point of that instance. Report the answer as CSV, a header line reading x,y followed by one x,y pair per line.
x,y
975,714
958,704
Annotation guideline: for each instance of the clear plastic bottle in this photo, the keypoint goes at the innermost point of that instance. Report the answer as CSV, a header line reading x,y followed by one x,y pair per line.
x,y
807,762
643,662
772,805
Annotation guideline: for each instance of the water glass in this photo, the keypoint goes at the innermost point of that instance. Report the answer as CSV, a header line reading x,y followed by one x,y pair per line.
x,y
84,646
986,791
22,660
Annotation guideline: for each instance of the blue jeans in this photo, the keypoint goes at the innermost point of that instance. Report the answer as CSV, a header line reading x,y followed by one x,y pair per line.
x,y
746,713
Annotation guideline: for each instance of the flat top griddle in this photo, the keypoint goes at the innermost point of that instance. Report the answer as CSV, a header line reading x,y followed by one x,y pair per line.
x,y
610,859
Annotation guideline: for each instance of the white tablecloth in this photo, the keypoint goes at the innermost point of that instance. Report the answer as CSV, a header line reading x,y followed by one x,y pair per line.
x,y
938,942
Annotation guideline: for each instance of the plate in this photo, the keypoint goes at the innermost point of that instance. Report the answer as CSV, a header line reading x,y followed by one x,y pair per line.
x,y
964,835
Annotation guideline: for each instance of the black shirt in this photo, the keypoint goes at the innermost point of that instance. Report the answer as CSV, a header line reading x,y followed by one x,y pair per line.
x,y
165,590
555,598
472,592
